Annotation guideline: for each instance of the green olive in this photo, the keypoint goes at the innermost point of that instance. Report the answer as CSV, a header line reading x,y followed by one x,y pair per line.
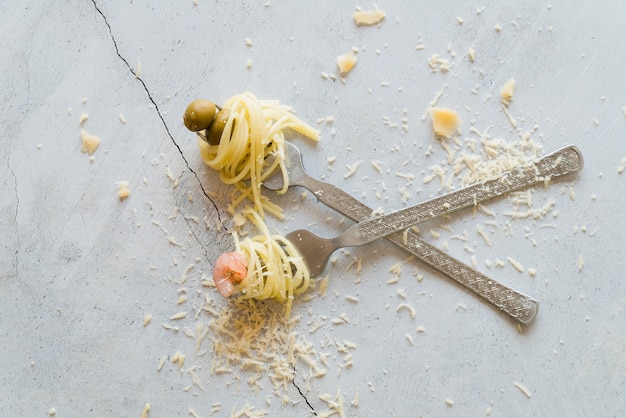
x,y
199,115
214,131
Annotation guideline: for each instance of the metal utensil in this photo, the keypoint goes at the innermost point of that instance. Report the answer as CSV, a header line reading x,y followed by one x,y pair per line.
x,y
517,305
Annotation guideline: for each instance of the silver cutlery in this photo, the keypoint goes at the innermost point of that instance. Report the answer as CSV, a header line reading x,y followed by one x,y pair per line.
x,y
316,250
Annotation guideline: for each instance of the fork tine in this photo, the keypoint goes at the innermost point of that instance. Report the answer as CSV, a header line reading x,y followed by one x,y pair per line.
x,y
315,250
293,164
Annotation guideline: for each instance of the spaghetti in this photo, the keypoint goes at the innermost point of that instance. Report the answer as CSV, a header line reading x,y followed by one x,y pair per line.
x,y
252,147
245,143
274,270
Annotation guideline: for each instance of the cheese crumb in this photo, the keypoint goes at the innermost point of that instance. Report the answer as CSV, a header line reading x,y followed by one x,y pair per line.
x,y
445,121
83,118
121,118
52,412
483,235
408,308
122,190
368,17
146,409
437,63
580,262
346,62
622,166
90,142
518,266
523,389
471,54
351,169
146,319
352,299
179,358
178,315
449,402
507,91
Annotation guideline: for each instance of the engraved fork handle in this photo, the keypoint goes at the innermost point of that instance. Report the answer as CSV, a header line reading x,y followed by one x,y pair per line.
x,y
517,305
559,163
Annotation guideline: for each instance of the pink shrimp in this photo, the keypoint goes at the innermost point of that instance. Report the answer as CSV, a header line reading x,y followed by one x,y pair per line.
x,y
229,269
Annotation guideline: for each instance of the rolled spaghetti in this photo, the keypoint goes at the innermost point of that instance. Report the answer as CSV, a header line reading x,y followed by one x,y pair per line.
x,y
273,267
253,132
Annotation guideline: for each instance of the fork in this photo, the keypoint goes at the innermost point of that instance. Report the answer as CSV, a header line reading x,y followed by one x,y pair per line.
x,y
316,250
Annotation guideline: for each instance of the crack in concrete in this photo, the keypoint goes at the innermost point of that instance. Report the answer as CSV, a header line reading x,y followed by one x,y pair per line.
x,y
16,254
145,87
182,156
293,382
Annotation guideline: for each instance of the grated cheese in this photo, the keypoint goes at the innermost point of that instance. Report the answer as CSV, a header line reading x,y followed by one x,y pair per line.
x,y
622,166
580,262
352,299
368,17
351,169
249,412
523,389
408,307
483,235
179,358
445,121
90,142
436,63
471,54
355,401
122,190
507,91
146,319
346,62
146,409
161,363
177,316
518,266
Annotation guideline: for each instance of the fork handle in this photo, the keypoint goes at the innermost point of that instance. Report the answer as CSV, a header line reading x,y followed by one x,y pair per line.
x,y
559,163
515,304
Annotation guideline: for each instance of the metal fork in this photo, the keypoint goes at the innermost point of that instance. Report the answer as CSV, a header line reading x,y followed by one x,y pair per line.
x,y
316,250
